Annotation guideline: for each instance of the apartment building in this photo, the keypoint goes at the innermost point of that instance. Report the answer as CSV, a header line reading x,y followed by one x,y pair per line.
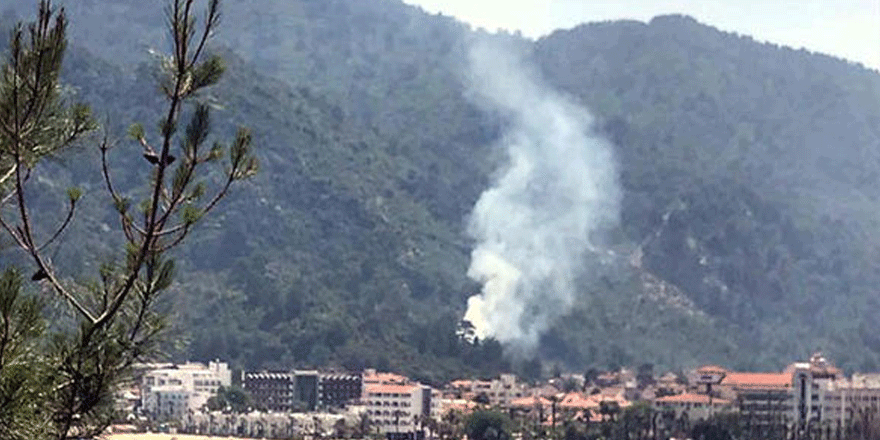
x,y
845,400
272,390
337,389
805,394
694,406
499,392
283,391
398,411
372,377
170,391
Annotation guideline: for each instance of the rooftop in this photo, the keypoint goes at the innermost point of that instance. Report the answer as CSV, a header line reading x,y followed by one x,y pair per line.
x,y
692,398
762,381
531,401
390,389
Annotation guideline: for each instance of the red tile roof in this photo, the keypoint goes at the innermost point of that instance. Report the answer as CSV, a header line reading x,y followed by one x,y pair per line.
x,y
711,369
385,378
461,406
390,389
758,380
578,401
692,398
529,402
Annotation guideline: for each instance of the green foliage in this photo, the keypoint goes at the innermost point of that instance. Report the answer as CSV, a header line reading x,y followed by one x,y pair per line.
x,y
487,425
30,97
23,376
752,207
231,398
59,382
208,72
711,431
727,200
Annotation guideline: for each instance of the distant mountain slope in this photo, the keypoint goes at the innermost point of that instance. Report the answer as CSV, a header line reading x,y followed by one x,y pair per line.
x,y
749,170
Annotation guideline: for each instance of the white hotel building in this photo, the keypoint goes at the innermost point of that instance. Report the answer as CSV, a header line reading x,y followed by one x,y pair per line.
x,y
806,395
172,391
398,410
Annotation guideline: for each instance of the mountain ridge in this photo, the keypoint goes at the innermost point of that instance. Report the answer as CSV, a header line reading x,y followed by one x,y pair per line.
x,y
373,158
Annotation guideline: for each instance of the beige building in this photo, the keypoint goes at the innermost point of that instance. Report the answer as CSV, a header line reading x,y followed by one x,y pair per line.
x,y
500,392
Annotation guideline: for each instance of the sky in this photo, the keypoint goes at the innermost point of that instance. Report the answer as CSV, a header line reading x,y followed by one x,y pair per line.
x,y
847,29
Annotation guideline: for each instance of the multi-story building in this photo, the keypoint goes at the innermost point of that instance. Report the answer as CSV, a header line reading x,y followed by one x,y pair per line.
x,y
306,388
336,390
764,398
398,411
499,392
803,396
172,390
168,402
372,377
846,400
283,391
669,384
696,406
271,390
439,404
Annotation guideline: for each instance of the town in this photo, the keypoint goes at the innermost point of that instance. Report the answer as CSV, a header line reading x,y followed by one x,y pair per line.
x,y
806,400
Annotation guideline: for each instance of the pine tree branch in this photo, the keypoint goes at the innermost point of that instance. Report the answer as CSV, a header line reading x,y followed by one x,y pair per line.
x,y
211,18
127,224
70,211
182,234
6,198
220,194
26,238
150,224
6,177
39,35
12,233
56,285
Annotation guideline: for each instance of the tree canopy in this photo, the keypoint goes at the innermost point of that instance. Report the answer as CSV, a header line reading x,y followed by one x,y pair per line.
x,y
58,380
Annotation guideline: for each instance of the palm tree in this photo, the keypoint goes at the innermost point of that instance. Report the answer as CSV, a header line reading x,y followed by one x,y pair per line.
x,y
609,410
397,413
318,428
363,426
340,428
431,424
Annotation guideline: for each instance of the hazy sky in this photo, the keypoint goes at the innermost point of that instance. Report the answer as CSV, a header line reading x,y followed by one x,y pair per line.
x,y
846,28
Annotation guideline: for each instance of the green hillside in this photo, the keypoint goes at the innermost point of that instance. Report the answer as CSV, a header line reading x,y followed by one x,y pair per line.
x,y
749,174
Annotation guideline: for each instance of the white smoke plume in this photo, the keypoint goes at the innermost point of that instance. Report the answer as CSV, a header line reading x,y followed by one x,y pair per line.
x,y
547,209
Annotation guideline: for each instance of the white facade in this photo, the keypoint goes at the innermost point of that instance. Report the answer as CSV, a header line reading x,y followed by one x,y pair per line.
x,y
437,405
397,408
168,402
500,391
806,395
844,400
172,391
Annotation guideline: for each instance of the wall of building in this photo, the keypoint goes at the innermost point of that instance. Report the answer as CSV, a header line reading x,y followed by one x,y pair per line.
x,y
176,389
397,409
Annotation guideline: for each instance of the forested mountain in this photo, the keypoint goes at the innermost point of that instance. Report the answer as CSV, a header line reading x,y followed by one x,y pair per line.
x,y
749,174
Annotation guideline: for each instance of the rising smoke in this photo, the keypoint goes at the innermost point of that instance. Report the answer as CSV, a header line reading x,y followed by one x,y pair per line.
x,y
545,213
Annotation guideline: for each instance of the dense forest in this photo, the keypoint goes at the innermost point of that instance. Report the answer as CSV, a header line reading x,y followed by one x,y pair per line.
x,y
749,175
